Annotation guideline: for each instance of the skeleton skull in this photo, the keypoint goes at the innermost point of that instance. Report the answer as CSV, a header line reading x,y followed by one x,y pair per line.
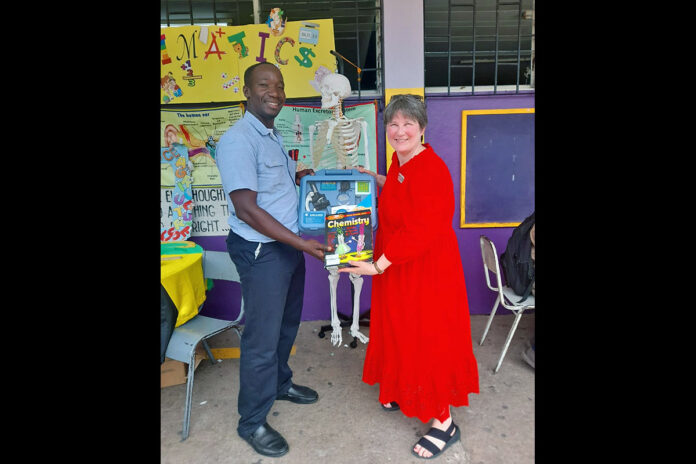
x,y
333,87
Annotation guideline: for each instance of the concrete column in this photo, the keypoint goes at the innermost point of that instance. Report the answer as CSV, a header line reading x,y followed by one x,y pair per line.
x,y
403,51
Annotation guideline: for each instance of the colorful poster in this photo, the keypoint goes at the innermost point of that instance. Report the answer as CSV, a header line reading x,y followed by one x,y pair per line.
x,y
199,131
209,213
199,207
294,124
195,205
175,158
202,64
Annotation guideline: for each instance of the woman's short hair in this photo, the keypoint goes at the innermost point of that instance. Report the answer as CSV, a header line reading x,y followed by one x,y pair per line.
x,y
410,106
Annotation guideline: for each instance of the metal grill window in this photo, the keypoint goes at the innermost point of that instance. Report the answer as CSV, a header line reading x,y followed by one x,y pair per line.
x,y
478,45
203,12
357,35
357,28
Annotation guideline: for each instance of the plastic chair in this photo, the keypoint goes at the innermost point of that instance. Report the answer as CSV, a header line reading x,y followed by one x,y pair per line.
x,y
506,296
185,338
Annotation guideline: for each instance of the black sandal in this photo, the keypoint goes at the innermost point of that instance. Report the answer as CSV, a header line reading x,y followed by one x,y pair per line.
x,y
394,406
440,435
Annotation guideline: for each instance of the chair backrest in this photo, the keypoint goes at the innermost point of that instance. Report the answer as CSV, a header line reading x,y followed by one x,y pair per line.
x,y
219,265
508,298
490,262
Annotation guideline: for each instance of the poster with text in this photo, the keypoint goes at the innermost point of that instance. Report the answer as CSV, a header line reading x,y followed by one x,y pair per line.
x,y
295,125
203,64
194,133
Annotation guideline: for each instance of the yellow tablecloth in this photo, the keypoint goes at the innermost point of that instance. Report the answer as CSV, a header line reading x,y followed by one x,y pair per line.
x,y
182,278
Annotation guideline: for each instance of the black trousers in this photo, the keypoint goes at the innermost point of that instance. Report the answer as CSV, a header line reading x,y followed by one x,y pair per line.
x,y
272,277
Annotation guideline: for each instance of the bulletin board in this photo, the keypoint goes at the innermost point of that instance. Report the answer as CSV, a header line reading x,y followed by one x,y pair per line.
x,y
192,202
497,170
203,64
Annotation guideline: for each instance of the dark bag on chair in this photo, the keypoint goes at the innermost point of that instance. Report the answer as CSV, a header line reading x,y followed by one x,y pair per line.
x,y
516,262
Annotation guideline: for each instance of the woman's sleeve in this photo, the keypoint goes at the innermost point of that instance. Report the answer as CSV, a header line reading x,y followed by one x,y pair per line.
x,y
427,211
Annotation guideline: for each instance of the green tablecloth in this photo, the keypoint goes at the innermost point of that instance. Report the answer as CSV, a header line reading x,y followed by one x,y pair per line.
x,y
179,248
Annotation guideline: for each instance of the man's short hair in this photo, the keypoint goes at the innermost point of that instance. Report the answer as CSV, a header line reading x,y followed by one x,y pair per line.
x,y
250,69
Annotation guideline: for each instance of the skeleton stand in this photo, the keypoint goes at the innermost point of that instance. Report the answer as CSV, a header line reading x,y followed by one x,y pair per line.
x,y
355,322
342,135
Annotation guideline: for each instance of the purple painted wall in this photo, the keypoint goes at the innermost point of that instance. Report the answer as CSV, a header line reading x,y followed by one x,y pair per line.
x,y
444,135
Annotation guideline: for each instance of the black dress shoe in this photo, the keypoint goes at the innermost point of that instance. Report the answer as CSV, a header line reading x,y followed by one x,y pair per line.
x,y
300,395
267,441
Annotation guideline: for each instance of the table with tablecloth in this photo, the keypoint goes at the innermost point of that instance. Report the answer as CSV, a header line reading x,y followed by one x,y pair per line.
x,y
183,286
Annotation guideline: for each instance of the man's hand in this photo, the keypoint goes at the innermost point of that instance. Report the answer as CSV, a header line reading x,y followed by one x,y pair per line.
x,y
300,174
244,201
316,249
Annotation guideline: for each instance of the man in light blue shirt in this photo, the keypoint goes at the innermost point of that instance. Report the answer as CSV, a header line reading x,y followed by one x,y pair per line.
x,y
259,164
264,243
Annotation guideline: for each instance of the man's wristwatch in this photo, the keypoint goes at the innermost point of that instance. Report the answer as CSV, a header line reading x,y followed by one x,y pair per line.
x,y
379,271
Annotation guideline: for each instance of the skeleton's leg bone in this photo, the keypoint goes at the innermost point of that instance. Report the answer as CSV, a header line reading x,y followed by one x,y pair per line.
x,y
357,281
336,337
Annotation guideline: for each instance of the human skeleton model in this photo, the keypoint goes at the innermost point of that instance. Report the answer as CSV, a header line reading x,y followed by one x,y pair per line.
x,y
343,137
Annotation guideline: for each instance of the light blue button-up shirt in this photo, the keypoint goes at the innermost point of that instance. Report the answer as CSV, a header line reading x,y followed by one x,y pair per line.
x,y
251,156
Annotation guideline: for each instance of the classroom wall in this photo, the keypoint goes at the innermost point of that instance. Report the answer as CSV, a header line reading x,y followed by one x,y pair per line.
x,y
444,135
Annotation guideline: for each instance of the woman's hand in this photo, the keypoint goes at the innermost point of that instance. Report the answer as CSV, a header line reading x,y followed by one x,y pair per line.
x,y
379,178
360,268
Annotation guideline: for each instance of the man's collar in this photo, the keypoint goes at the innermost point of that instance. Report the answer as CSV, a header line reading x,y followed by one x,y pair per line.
x,y
256,124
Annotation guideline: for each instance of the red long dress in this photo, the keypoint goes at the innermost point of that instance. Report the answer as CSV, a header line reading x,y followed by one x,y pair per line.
x,y
420,349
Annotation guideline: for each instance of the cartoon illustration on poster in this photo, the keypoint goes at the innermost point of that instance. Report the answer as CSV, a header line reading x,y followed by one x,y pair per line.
x,y
198,207
175,157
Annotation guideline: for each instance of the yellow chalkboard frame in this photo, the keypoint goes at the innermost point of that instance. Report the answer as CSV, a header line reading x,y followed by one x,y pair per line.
x,y
462,203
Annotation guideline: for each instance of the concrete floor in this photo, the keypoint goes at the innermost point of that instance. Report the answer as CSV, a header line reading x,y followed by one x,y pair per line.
x,y
347,425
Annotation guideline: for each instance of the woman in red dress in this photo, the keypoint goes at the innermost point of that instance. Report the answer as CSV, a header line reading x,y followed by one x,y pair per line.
x,y
420,349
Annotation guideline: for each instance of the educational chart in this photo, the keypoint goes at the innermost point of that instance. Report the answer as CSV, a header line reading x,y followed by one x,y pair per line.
x,y
497,184
194,204
195,133
202,64
293,122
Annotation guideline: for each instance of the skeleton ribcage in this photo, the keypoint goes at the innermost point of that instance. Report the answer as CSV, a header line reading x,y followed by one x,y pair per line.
x,y
342,151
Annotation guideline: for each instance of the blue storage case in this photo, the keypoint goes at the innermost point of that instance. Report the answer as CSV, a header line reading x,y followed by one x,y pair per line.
x,y
331,191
